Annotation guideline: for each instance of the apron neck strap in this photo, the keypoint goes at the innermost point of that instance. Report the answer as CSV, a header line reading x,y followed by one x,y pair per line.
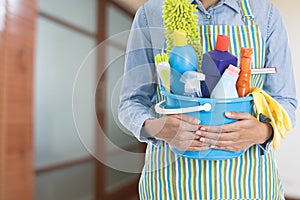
x,y
248,16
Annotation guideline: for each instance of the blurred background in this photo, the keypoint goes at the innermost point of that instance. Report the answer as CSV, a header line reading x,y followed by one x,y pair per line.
x,y
59,95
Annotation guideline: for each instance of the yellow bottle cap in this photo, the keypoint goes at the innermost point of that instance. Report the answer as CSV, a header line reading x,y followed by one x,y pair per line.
x,y
180,38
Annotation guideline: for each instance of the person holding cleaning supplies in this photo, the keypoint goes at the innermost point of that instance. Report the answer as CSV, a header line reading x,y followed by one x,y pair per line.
x,y
255,24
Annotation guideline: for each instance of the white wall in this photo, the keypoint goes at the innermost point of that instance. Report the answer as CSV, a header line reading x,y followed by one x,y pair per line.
x,y
288,155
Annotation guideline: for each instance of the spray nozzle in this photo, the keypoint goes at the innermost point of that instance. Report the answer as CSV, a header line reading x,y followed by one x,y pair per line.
x,y
192,83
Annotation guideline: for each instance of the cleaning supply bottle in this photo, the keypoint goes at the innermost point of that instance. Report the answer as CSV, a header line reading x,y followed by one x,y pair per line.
x,y
225,87
214,64
243,82
182,58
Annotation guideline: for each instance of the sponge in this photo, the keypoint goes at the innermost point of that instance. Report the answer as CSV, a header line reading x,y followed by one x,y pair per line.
x,y
181,14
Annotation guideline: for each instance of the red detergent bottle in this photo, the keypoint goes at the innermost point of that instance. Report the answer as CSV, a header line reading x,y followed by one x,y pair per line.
x,y
244,81
214,64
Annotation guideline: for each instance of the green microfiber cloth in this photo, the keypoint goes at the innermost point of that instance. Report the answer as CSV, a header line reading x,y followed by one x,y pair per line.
x,y
181,14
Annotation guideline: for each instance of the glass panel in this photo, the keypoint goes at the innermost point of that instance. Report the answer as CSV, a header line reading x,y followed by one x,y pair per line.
x,y
117,23
67,184
124,165
82,13
115,178
59,54
115,131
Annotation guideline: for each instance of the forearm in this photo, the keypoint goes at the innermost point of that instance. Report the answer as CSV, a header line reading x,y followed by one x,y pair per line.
x,y
265,134
134,109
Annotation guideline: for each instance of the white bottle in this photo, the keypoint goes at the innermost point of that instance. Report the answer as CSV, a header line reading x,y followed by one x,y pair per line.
x,y
225,87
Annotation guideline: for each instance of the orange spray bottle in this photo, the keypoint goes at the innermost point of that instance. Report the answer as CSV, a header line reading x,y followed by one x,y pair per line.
x,y
244,80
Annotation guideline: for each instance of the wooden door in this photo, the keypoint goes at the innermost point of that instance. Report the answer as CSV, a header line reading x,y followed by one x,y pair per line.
x,y
17,31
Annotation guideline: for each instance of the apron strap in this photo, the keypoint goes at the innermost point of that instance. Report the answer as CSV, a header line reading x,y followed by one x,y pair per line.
x,y
248,16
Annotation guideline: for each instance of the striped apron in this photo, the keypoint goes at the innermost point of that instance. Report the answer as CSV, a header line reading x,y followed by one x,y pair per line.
x,y
167,175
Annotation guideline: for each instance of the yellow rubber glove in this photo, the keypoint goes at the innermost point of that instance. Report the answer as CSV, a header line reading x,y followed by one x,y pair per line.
x,y
269,107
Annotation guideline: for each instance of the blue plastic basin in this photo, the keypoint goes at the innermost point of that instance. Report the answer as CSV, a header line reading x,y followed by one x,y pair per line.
x,y
214,117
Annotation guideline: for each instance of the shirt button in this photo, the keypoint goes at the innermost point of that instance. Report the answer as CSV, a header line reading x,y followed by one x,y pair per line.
x,y
208,16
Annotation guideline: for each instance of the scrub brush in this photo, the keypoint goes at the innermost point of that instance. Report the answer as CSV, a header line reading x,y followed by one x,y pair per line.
x,y
181,14
163,70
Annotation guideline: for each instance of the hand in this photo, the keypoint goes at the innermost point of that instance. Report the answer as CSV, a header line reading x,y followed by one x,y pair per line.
x,y
177,130
236,136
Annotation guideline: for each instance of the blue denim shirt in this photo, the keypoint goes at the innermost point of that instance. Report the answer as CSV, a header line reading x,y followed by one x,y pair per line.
x,y
146,39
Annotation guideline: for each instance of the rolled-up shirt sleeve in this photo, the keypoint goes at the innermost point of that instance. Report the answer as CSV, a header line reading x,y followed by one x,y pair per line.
x,y
138,92
281,85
